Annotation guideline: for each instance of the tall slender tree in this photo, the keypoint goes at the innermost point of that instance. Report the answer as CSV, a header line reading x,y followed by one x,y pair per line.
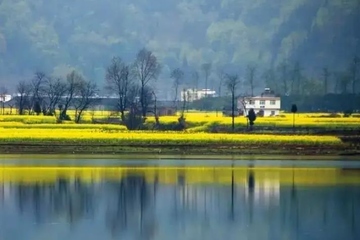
x,y
54,89
146,69
118,81
86,94
177,75
232,82
73,81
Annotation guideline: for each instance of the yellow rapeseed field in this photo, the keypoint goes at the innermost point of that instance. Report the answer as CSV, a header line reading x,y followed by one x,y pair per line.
x,y
94,135
20,126
202,118
301,120
28,119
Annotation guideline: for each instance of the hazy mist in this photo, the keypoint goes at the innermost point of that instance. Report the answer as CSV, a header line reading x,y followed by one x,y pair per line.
x,y
55,36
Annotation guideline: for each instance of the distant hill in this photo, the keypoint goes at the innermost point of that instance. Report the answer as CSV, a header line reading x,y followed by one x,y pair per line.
x,y
57,35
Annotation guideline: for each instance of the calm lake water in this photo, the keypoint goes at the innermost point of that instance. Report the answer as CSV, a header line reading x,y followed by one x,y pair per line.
x,y
73,197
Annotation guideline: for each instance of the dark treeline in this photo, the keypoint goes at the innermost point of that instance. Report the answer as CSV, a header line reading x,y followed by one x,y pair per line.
x,y
331,103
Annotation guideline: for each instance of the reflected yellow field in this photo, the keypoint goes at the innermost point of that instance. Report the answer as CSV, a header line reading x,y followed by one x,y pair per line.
x,y
192,175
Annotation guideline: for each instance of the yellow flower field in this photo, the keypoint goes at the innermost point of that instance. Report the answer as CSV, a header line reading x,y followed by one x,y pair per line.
x,y
301,120
101,136
19,126
202,118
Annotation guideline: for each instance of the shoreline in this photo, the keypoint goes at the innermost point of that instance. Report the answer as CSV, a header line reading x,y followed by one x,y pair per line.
x,y
262,149
170,157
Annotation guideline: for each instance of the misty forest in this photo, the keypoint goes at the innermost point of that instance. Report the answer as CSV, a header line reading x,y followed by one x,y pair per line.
x,y
302,47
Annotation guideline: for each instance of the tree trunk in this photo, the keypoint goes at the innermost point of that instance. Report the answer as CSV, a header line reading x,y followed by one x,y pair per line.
x,y
142,101
122,113
293,121
233,111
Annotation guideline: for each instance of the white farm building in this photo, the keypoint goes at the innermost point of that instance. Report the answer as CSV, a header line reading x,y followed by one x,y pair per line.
x,y
267,104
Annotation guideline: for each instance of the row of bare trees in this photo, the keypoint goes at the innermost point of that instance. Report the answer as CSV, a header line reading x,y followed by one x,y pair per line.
x,y
43,94
132,83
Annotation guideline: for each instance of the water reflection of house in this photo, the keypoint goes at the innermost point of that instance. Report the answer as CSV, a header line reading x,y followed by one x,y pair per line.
x,y
265,191
4,192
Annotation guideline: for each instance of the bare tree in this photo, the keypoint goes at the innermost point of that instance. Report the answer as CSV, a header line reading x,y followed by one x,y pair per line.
x,y
251,78
37,90
206,67
22,100
185,98
54,89
177,75
73,81
156,114
133,96
232,82
135,119
118,81
3,92
85,98
146,68
148,98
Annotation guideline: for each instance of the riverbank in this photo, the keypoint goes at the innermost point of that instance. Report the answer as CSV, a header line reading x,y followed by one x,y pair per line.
x,y
214,148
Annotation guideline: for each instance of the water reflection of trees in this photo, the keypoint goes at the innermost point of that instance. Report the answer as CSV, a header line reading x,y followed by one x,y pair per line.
x,y
136,206
131,207
49,201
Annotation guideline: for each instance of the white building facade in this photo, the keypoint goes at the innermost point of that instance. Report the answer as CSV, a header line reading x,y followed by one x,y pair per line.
x,y
5,97
267,104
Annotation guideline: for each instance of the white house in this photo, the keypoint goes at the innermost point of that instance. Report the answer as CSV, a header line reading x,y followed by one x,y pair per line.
x,y
267,102
192,94
5,97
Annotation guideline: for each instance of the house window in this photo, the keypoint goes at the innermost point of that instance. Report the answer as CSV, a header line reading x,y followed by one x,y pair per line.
x,y
262,102
251,102
272,113
272,102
